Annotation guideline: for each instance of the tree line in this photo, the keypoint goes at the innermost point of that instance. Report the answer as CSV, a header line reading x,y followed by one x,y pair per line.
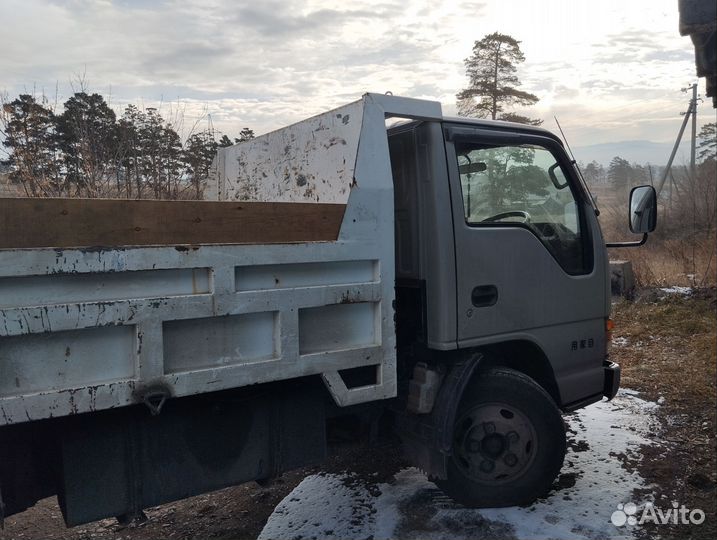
x,y
88,151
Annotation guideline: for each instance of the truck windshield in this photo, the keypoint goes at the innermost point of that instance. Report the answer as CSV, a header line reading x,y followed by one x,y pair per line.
x,y
522,185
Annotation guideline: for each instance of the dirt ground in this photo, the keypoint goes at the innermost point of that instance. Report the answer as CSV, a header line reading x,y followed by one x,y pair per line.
x,y
667,346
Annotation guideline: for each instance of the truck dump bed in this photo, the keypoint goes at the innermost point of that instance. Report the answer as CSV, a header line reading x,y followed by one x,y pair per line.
x,y
288,272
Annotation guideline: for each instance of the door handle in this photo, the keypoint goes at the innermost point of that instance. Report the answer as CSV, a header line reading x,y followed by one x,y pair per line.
x,y
484,295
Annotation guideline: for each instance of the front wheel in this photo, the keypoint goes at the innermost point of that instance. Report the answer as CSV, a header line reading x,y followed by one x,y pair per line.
x,y
508,442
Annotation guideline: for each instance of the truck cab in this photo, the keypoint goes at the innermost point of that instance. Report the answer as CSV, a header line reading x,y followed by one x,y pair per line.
x,y
502,281
497,240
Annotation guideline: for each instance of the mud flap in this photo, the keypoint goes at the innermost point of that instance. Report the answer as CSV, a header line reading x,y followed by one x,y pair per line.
x,y
428,438
117,463
612,379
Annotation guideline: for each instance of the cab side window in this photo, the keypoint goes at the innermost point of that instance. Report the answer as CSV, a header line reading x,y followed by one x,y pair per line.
x,y
523,185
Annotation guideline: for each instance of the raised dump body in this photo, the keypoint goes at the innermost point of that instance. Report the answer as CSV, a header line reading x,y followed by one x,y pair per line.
x,y
109,303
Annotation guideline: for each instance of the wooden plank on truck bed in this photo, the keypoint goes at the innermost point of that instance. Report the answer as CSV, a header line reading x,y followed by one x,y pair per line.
x,y
65,223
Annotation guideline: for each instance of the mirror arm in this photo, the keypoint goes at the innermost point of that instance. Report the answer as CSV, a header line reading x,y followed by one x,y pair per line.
x,y
627,244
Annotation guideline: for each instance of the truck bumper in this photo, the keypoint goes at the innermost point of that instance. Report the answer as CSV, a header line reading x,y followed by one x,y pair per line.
x,y
611,382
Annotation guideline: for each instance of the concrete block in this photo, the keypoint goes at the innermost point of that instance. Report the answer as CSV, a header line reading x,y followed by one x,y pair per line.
x,y
622,279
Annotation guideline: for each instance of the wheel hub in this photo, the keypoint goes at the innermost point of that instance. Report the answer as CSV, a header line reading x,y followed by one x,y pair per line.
x,y
493,445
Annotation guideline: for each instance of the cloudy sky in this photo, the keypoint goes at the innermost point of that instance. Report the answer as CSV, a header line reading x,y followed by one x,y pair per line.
x,y
610,70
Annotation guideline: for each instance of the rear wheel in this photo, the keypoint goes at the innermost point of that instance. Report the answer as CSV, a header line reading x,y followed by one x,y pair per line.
x,y
508,442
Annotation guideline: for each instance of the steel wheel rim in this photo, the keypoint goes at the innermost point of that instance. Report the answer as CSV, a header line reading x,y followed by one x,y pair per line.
x,y
494,443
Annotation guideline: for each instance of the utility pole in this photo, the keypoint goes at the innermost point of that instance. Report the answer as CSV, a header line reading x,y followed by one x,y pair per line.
x,y
693,104
691,110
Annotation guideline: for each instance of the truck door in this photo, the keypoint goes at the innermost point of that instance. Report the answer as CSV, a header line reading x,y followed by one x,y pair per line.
x,y
525,263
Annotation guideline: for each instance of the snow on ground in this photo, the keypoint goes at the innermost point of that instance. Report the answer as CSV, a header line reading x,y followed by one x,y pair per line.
x,y
676,289
620,341
594,480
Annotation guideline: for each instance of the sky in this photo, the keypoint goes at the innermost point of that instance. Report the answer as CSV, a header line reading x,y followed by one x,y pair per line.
x,y
610,70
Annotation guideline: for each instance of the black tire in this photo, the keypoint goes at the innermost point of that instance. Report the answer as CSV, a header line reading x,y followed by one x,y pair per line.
x,y
516,460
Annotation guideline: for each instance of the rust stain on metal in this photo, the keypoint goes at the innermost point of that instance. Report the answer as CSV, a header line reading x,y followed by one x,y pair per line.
x,y
350,297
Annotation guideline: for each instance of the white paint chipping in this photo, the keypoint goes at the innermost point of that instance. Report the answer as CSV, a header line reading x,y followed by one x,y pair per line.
x,y
341,506
311,161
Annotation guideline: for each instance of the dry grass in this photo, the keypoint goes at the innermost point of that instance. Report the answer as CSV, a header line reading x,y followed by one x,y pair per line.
x,y
671,345
677,253
683,249
670,351
672,262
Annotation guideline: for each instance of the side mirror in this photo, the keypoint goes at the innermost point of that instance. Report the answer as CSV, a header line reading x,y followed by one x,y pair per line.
x,y
554,179
643,209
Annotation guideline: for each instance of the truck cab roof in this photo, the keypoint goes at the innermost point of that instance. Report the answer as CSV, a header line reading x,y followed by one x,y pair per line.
x,y
484,123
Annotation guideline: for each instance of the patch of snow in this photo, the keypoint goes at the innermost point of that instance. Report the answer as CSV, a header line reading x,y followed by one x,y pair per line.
x,y
325,506
660,400
684,291
620,341
605,436
610,429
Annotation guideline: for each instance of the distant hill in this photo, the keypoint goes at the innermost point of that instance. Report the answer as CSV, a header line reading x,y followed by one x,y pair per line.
x,y
640,152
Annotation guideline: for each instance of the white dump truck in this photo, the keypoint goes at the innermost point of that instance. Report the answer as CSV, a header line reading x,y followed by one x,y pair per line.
x,y
447,276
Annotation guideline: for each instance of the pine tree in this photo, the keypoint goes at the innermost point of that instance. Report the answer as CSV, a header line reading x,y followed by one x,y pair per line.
x,y
199,152
161,150
245,134
619,173
130,179
87,133
151,155
593,172
708,141
493,84
32,143
225,141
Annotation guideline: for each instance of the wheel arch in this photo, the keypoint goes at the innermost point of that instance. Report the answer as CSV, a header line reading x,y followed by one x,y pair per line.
x,y
505,399
434,432
523,356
